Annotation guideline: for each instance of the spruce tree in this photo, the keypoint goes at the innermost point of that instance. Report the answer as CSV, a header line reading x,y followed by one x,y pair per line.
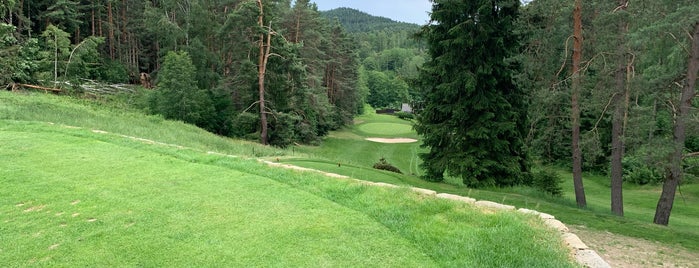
x,y
177,96
474,120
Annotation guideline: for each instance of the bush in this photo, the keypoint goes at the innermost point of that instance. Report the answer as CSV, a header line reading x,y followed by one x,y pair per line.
x,y
384,165
692,143
638,172
691,169
244,124
113,72
281,132
306,133
405,116
548,181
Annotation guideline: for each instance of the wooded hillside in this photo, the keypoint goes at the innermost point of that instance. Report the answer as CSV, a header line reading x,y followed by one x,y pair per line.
x,y
390,56
307,87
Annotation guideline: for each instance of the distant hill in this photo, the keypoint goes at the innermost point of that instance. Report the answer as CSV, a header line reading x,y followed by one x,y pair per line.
x,y
357,21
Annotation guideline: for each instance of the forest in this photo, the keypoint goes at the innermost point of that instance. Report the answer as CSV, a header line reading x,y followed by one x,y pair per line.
x,y
595,86
224,65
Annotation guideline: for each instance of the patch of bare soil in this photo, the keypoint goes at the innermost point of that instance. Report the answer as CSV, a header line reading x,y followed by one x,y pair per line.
x,y
392,140
629,252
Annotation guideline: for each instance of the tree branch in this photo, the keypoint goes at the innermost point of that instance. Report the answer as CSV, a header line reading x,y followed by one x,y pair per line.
x,y
681,44
603,112
565,60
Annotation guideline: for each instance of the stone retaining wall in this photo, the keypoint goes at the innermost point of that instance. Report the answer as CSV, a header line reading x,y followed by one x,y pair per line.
x,y
581,252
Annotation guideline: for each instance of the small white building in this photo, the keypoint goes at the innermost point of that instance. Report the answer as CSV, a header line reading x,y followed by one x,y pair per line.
x,y
406,108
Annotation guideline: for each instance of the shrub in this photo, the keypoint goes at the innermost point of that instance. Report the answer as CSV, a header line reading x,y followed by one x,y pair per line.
x,y
244,124
281,129
638,172
113,72
306,133
691,169
384,165
178,96
548,181
404,115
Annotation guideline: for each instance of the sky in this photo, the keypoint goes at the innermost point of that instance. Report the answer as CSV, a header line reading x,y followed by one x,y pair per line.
x,y
413,11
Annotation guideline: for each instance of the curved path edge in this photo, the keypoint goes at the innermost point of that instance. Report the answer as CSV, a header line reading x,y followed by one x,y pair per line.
x,y
579,250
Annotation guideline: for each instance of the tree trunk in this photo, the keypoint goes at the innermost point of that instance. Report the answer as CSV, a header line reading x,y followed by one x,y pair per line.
x,y
575,106
111,29
298,29
29,19
618,118
99,21
55,59
125,40
617,152
92,16
673,175
261,68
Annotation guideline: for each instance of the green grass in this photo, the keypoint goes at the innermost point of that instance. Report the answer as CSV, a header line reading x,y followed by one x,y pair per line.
x,y
357,172
91,115
386,129
75,197
349,146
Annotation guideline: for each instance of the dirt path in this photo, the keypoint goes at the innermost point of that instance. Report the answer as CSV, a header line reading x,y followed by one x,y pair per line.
x,y
628,252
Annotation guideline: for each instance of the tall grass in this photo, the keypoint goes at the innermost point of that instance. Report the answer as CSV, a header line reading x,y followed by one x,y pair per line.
x,y
121,120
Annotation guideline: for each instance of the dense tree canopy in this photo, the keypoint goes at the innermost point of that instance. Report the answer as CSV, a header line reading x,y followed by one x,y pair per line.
x,y
312,70
634,67
389,48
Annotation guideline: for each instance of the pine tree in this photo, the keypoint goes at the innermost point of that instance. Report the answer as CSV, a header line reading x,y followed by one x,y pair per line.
x,y
474,120
575,106
178,97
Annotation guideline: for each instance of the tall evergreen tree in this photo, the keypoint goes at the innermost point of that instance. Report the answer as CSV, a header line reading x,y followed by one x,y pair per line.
x,y
575,105
178,97
474,120
620,100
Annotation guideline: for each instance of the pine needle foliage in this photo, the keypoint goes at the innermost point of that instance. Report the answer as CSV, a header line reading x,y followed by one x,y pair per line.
x,y
177,96
474,119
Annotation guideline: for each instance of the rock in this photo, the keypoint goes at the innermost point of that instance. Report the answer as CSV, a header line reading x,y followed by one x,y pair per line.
x,y
545,216
334,175
556,224
574,241
457,198
541,215
528,211
489,204
590,258
382,184
423,191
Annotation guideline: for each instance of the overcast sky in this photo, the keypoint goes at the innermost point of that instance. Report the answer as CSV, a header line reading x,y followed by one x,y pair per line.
x,y
413,11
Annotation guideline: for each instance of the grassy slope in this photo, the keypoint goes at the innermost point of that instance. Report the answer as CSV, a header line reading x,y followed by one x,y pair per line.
x,y
348,146
75,112
75,197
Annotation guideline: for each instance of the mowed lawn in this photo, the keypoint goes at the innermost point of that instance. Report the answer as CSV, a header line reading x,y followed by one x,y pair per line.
x,y
350,147
80,201
72,196
356,156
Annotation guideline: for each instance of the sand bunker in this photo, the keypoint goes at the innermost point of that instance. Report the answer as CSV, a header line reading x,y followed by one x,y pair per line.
x,y
392,140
